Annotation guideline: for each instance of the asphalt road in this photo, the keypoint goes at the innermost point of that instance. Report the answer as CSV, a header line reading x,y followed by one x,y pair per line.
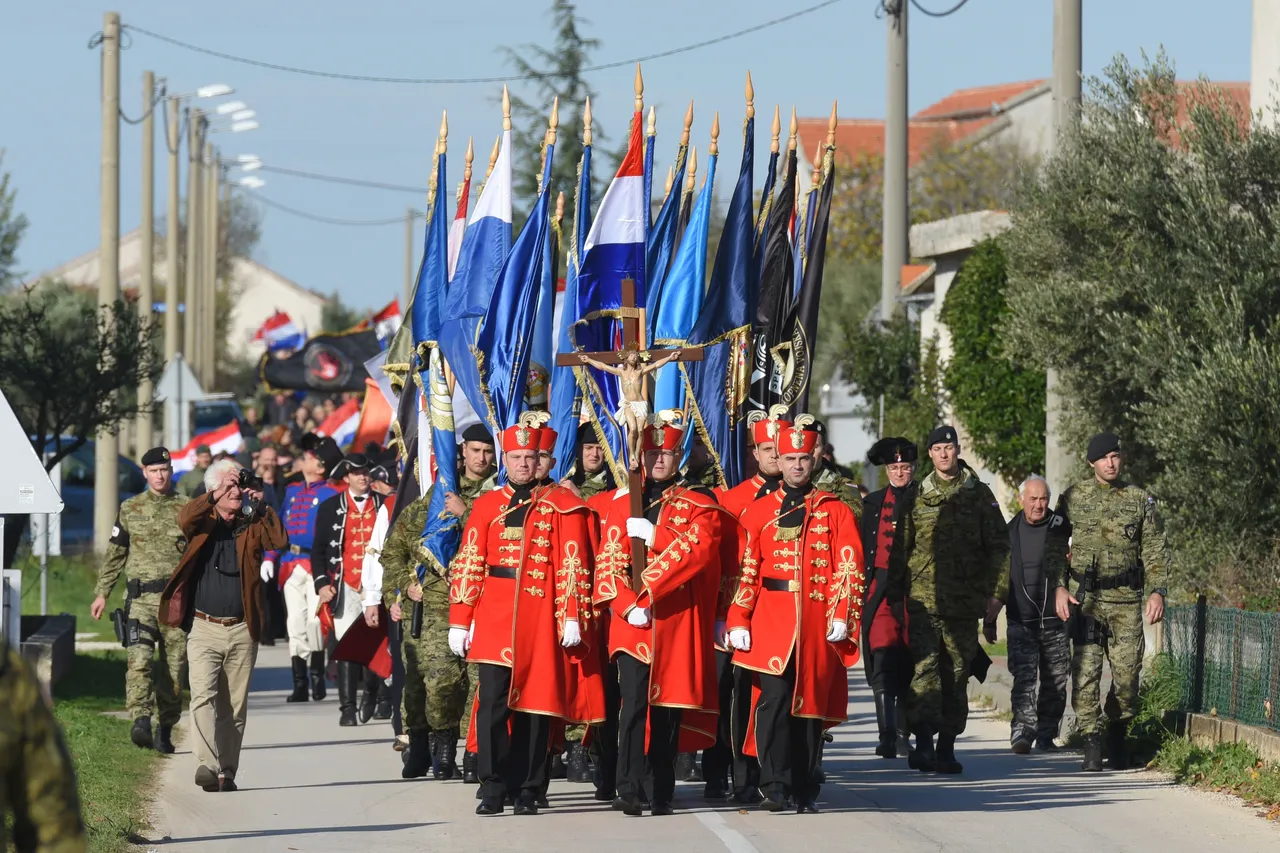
x,y
308,785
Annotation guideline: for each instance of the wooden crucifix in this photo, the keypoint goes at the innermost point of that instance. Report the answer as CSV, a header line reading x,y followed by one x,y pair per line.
x,y
635,363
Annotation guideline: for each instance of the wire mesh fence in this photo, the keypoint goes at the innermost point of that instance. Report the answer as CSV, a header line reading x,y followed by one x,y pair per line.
x,y
1229,660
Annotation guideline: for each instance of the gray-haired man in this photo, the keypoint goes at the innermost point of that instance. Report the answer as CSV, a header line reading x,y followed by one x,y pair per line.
x,y
1038,649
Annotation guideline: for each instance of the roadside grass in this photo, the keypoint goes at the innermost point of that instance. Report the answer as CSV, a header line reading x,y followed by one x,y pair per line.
x,y
1229,767
116,779
71,583
996,650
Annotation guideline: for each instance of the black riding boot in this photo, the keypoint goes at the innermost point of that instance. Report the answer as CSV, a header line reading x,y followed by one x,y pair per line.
x,y
299,693
885,719
317,675
369,698
348,681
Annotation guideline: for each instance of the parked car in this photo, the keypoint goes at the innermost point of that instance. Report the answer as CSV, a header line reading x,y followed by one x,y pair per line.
x,y
77,489
208,415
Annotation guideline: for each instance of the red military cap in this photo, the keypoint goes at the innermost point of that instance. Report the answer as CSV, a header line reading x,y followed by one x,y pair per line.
x,y
765,429
798,438
547,439
520,437
667,433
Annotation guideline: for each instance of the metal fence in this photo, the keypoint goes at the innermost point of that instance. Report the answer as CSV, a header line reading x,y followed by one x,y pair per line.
x,y
1229,661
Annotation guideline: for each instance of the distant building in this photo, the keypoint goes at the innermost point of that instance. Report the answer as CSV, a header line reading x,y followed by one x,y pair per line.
x,y
260,291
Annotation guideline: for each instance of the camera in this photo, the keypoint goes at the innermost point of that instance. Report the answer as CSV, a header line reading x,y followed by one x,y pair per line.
x,y
249,480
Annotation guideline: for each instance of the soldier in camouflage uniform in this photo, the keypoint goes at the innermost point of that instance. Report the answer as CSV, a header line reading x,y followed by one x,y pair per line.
x,y
956,548
437,689
146,545
37,781
1115,539
828,478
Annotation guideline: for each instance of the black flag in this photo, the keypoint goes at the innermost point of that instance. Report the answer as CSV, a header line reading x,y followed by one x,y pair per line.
x,y
325,363
803,329
776,284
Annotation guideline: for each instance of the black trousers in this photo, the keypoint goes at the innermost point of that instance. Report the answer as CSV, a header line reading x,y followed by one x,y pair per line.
x,y
731,730
509,762
394,640
664,736
788,745
605,737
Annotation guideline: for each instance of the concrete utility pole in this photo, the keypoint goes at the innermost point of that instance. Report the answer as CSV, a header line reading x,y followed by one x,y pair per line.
x,y
191,300
1067,50
173,285
210,249
146,293
106,468
895,251
408,259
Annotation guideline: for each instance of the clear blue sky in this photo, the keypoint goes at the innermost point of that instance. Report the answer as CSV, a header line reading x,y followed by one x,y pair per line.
x,y
383,132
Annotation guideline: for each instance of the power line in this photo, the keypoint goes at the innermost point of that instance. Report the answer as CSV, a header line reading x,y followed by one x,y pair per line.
x,y
933,14
441,81
327,220
334,179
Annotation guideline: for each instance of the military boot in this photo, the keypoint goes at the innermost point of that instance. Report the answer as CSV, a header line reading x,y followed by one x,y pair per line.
x,y
418,756
299,693
444,754
885,718
1092,753
383,711
470,768
1117,745
687,767
578,771
945,759
317,675
369,699
922,757
900,723
164,739
140,734
348,677
556,768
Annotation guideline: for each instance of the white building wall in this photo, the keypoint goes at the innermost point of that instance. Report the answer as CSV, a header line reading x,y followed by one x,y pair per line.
x,y
1264,59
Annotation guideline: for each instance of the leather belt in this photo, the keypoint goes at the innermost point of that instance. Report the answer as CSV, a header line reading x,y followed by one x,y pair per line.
x,y
780,585
224,621
502,572
298,549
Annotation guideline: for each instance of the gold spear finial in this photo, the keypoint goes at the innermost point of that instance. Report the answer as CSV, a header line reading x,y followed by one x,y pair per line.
x,y
586,123
817,166
555,121
688,123
691,181
751,97
443,141
471,155
791,140
653,122
715,135
831,126
506,108
639,89
560,206
777,128
671,179
493,157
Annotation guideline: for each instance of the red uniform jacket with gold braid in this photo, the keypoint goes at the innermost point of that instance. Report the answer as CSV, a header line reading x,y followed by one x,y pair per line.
x,y
792,589
735,502
681,586
519,621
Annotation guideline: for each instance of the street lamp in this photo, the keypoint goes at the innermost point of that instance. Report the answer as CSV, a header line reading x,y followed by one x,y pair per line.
x,y
229,107
252,182
216,90
243,115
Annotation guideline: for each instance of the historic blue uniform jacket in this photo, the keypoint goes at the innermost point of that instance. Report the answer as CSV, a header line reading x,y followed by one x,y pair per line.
x,y
301,501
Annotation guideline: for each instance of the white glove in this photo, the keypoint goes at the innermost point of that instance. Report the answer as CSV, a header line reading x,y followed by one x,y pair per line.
x,y
471,634
722,633
268,569
641,528
839,632
572,636
740,639
459,642
638,617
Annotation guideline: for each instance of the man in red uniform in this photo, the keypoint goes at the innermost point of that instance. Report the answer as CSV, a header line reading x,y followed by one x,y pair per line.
x,y
661,635
794,620
887,661
735,683
522,578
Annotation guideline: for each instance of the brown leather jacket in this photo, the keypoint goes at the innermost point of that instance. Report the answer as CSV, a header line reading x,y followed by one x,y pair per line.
x,y
254,536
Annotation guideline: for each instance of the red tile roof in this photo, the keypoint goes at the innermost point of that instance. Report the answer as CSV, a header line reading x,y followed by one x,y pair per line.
x,y
911,274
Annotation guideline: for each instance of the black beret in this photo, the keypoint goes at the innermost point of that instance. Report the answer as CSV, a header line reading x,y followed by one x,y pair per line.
x,y
817,426
1102,444
477,432
155,456
893,449
204,448
942,435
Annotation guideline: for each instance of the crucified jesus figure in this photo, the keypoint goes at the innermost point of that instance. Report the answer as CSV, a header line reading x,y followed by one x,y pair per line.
x,y
631,372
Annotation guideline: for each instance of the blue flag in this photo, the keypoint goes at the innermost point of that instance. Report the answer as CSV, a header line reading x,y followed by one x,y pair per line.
x,y
661,243
683,292
721,381
649,142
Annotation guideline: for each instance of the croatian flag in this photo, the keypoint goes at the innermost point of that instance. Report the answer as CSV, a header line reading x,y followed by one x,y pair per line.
x,y
341,425
387,322
279,332
225,439
459,224
614,249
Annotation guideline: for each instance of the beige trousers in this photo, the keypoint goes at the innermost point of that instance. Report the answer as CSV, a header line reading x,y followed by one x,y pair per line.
x,y
300,604
219,663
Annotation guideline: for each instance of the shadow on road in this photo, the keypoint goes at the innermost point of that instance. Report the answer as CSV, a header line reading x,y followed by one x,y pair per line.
x,y
306,830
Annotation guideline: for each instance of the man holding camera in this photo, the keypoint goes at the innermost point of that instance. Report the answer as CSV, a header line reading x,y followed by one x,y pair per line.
x,y
216,597
145,545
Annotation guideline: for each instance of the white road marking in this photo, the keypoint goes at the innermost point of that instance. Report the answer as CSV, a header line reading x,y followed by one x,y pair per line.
x,y
733,841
